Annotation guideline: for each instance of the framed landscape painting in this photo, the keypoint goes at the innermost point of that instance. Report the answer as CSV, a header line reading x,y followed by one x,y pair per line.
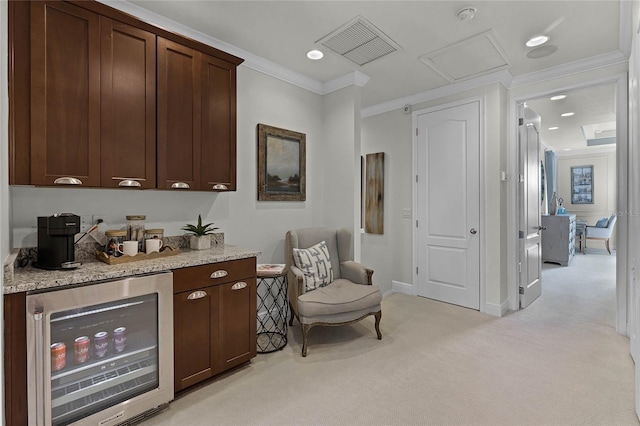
x,y
281,164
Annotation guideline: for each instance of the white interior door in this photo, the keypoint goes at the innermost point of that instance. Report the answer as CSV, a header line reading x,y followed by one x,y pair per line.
x,y
448,204
530,261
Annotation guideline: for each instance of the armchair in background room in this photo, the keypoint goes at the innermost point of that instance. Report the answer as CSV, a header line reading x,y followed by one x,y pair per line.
x,y
601,232
326,287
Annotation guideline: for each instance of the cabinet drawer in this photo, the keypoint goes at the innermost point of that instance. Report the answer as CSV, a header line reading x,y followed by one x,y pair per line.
x,y
195,277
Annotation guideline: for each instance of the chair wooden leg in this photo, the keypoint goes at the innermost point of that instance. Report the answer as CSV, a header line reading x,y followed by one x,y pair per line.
x,y
305,335
607,244
378,316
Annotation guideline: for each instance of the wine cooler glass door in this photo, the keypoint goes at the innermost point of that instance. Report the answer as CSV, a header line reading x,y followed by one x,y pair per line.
x,y
98,354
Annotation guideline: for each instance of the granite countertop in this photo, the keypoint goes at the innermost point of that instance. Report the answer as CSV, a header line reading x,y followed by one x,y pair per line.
x,y
18,280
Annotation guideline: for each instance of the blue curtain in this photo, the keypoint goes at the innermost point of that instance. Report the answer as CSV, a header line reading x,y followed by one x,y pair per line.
x,y
551,166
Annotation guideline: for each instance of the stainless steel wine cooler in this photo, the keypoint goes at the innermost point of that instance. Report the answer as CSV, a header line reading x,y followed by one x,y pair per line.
x,y
100,354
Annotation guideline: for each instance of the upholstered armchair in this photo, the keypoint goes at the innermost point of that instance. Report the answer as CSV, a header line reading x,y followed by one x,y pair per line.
x,y
601,233
326,287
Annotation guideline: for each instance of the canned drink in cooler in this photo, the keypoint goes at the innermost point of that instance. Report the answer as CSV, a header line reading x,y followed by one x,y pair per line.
x,y
81,349
119,339
100,344
58,356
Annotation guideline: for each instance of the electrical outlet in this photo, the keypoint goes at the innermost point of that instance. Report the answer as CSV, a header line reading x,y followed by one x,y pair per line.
x,y
406,213
86,222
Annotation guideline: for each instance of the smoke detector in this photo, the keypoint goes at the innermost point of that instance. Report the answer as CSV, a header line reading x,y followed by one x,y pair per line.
x,y
466,13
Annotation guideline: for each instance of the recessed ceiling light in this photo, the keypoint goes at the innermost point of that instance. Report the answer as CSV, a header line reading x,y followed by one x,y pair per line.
x,y
557,97
554,128
537,40
315,54
567,114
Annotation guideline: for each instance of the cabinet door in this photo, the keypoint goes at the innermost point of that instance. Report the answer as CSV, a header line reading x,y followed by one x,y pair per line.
x,y
179,110
128,106
65,94
218,150
194,336
237,323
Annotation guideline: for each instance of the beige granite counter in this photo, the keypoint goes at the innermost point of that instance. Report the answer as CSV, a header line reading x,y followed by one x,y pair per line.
x,y
17,279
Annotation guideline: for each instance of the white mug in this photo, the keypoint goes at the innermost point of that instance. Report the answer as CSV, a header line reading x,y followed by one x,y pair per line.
x,y
153,244
130,248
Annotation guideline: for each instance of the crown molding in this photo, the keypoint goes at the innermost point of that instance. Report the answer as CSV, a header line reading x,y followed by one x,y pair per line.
x,y
251,60
354,78
599,61
503,77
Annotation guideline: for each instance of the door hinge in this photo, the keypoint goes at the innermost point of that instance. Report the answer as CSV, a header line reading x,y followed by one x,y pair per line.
x,y
416,178
416,270
519,266
521,290
416,223
520,234
416,131
520,121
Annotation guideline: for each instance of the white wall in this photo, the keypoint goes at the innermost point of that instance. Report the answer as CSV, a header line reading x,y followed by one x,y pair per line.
x,y
245,221
390,254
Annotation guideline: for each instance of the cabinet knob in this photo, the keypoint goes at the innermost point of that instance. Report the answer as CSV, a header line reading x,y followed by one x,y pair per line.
x,y
197,295
239,285
67,181
180,185
219,274
219,187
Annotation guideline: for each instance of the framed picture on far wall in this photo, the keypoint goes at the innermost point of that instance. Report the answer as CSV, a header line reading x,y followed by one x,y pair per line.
x,y
582,185
281,164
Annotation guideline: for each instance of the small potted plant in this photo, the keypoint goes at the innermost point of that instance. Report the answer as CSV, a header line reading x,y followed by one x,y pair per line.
x,y
200,239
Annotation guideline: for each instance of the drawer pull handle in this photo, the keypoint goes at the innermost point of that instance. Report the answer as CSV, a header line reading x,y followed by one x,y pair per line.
x,y
239,286
67,181
219,274
180,185
219,187
197,295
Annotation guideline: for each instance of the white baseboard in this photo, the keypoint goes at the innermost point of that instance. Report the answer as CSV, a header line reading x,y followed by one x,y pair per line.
x,y
497,310
400,287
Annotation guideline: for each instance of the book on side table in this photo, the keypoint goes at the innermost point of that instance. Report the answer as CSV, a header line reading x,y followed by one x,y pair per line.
x,y
270,269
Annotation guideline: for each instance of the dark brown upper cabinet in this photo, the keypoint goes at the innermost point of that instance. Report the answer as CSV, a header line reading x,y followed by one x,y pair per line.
x,y
65,95
179,116
98,98
128,106
218,146
196,119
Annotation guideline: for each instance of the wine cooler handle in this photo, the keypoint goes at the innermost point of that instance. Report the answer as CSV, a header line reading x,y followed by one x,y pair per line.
x,y
40,373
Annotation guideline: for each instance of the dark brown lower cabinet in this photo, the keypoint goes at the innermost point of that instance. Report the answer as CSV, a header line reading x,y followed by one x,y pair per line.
x,y
214,308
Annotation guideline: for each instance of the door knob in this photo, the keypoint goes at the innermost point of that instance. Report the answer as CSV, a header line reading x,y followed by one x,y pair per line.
x,y
473,231
542,228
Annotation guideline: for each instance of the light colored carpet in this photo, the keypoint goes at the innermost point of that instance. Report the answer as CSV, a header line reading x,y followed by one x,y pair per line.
x,y
558,362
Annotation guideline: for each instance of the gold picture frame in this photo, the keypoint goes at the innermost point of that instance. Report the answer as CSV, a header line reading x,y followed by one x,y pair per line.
x,y
281,164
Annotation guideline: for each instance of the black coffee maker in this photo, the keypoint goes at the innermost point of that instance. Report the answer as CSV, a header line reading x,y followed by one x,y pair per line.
x,y
56,246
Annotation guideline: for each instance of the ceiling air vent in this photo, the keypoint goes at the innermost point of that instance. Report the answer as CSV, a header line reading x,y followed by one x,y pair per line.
x,y
359,41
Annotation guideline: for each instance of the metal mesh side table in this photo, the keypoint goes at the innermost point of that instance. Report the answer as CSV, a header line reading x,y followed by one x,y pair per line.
x,y
273,309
